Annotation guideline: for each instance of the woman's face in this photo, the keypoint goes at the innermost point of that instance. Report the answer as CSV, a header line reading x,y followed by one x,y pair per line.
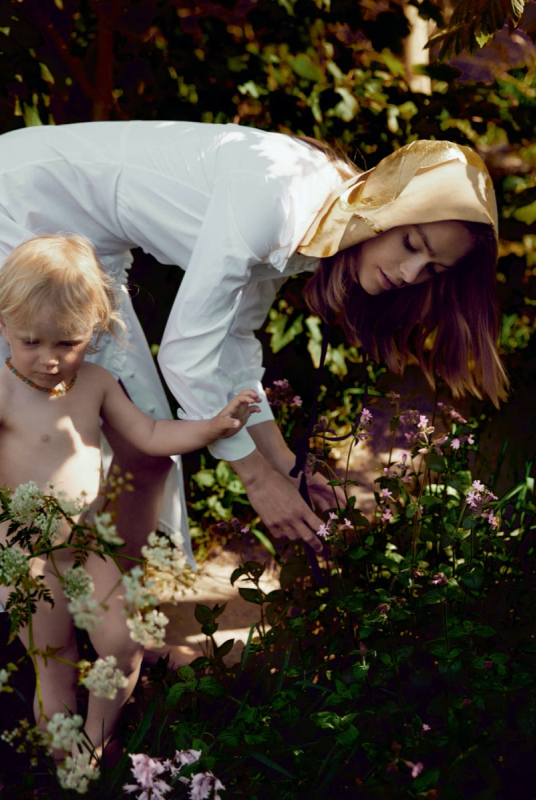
x,y
410,254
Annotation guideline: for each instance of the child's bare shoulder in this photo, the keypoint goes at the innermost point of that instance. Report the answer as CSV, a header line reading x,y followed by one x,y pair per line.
x,y
98,375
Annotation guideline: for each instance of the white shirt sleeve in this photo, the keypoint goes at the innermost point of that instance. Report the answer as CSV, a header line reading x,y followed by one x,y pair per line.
x,y
209,351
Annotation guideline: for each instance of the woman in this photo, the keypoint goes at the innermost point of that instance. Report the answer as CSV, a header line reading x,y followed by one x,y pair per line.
x,y
241,210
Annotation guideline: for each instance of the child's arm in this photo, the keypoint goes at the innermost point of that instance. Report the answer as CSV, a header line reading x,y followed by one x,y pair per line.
x,y
167,437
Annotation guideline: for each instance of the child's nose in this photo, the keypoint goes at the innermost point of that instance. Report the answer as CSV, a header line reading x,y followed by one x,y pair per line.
x,y
49,356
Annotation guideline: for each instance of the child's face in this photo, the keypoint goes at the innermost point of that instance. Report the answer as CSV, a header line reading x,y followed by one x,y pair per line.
x,y
42,353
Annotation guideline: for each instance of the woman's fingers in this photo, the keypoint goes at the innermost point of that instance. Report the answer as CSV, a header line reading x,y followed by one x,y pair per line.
x,y
325,497
284,511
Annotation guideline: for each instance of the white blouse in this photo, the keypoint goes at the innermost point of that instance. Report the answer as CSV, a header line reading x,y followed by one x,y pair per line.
x,y
228,204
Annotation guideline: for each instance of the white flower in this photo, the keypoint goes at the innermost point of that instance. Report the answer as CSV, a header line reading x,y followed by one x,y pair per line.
x,y
106,528
76,772
148,628
65,731
162,555
13,565
77,583
85,613
105,678
136,593
26,501
78,587
69,507
203,785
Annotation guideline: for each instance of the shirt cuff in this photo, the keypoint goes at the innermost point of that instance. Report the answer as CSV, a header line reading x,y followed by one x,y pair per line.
x,y
238,446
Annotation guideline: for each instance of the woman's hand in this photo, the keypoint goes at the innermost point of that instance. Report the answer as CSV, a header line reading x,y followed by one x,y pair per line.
x,y
235,414
277,501
274,494
273,447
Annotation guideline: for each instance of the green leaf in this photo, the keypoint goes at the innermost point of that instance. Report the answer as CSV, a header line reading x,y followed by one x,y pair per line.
x,y
187,673
252,596
348,736
178,690
209,685
474,578
281,334
225,648
305,68
264,540
426,780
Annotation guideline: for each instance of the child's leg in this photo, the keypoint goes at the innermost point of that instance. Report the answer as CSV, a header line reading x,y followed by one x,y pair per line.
x,y
56,682
138,511
110,638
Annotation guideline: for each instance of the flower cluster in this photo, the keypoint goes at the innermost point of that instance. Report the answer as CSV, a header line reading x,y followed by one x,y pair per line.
x,y
31,507
65,732
26,502
363,424
105,678
333,526
147,773
399,470
148,627
13,565
76,772
167,572
5,674
106,528
478,497
164,578
421,436
26,738
282,394
78,587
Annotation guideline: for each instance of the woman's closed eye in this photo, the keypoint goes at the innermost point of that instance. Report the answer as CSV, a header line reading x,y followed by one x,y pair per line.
x,y
408,245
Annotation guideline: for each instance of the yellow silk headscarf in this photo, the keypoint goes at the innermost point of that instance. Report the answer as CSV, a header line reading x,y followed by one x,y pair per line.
x,y
425,181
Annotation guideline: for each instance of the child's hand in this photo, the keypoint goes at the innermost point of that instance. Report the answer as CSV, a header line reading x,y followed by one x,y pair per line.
x,y
235,415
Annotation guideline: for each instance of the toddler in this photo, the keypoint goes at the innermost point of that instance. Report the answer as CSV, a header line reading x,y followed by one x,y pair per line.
x,y
55,300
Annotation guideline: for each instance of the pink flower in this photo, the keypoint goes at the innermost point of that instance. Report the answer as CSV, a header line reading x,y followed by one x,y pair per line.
x,y
385,494
425,728
387,516
455,444
323,531
384,608
205,785
470,439
439,579
184,757
466,702
145,770
366,417
416,769
296,401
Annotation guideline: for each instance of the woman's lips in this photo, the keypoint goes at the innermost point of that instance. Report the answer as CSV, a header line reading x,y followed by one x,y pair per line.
x,y
385,283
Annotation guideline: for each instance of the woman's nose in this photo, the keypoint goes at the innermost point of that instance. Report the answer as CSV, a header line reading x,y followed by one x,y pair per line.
x,y
411,269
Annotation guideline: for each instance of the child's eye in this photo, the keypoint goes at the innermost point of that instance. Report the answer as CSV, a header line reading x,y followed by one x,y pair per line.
x,y
408,245
29,343
68,344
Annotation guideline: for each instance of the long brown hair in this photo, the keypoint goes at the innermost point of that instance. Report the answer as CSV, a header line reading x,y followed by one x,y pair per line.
x,y
449,325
